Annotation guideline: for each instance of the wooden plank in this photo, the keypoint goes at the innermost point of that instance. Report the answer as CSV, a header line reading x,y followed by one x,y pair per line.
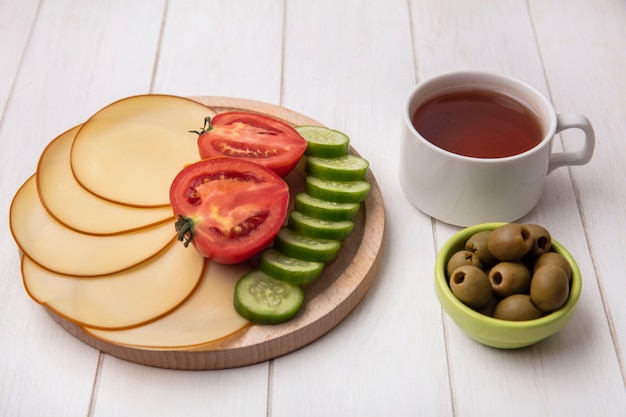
x,y
475,36
16,21
349,65
585,75
67,72
130,390
213,48
450,35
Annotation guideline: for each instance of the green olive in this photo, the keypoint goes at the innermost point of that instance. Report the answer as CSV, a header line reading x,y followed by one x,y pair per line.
x,y
471,286
462,257
516,307
488,308
542,241
477,244
553,258
509,278
549,288
509,242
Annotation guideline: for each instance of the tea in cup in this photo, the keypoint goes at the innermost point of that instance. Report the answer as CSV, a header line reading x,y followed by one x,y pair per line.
x,y
476,147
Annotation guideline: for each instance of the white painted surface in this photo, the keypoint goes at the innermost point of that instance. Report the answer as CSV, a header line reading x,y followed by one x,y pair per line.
x,y
349,65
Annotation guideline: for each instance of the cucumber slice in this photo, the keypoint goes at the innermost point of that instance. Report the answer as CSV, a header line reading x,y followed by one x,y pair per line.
x,y
324,142
325,210
344,168
285,268
306,248
337,191
322,229
266,300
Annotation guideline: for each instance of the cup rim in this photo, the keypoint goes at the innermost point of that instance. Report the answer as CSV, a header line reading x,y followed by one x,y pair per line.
x,y
547,107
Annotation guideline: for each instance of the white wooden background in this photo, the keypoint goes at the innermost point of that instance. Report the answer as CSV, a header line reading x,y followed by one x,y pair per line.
x,y
349,65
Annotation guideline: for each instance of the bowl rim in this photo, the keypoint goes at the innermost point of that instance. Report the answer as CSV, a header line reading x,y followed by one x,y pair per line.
x,y
441,283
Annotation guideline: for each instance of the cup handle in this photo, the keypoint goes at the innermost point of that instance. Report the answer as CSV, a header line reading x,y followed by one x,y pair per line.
x,y
583,155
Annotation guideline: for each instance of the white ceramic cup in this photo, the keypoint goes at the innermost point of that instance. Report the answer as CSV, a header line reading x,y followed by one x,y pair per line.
x,y
462,190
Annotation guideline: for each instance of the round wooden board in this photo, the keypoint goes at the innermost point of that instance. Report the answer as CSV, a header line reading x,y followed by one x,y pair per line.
x,y
328,300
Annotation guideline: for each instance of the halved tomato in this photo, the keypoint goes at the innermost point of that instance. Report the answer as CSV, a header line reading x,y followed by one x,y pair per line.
x,y
230,209
252,136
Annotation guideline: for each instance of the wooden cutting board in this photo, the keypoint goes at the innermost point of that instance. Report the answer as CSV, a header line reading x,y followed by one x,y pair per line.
x,y
328,300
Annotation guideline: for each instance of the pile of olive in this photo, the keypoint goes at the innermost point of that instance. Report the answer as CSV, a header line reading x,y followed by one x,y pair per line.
x,y
510,273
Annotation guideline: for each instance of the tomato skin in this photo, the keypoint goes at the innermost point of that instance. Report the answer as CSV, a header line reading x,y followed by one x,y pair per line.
x,y
229,209
252,136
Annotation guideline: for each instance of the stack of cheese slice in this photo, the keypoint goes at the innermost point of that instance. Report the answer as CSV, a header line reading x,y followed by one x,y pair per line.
x,y
97,236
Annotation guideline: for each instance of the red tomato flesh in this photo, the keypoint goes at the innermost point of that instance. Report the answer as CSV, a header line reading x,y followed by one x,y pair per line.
x,y
230,209
252,136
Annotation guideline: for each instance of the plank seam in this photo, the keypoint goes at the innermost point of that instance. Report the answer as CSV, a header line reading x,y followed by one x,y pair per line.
x,y
157,55
450,372
95,386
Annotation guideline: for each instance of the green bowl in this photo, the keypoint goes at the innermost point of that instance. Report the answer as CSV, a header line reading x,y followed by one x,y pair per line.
x,y
493,332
